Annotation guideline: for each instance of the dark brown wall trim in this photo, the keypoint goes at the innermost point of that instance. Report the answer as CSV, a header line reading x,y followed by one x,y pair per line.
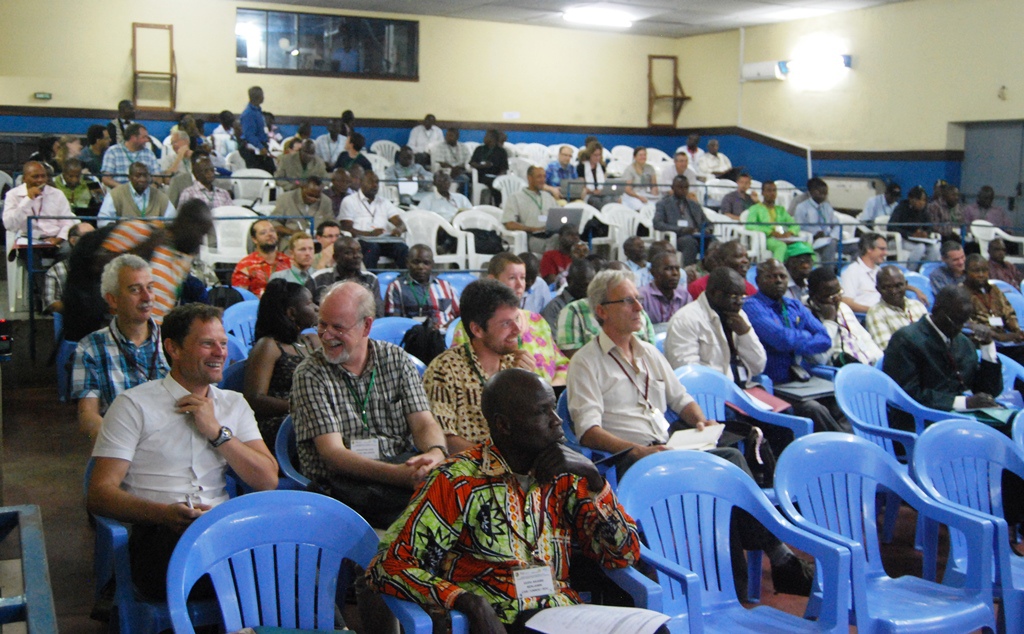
x,y
823,155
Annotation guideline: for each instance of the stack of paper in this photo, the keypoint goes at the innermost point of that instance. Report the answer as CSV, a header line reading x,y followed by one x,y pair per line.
x,y
696,440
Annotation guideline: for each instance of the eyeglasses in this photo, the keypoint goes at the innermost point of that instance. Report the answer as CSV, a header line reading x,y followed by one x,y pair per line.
x,y
628,301
323,328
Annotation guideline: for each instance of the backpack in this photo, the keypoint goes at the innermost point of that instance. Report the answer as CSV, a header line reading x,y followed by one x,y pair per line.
x,y
487,241
424,341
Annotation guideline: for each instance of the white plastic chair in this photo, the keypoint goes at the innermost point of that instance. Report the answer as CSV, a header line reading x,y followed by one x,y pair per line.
x,y
235,161
519,166
511,149
385,148
5,180
536,153
478,219
786,192
508,184
247,186
985,232
894,237
379,164
15,275
717,188
622,153
517,239
612,240
232,235
755,241
654,155
616,167
724,226
422,227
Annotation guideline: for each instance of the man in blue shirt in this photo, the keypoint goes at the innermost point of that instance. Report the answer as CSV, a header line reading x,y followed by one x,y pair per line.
x,y
881,205
788,331
558,171
253,146
817,216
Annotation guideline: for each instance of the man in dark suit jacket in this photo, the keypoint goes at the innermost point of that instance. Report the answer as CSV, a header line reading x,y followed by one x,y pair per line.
x,y
936,363
683,217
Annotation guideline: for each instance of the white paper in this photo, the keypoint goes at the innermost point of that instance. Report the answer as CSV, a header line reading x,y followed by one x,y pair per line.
x,y
597,619
822,242
408,187
367,448
924,240
698,440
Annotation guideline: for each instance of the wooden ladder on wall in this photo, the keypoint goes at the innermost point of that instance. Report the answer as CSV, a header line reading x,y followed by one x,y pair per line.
x,y
151,66
662,70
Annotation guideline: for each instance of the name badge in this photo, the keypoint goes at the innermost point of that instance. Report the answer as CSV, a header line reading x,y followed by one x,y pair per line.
x,y
367,448
542,218
660,422
995,322
535,581
741,371
682,222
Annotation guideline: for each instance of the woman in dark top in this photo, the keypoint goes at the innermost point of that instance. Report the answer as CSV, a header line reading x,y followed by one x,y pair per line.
x,y
286,309
490,161
351,154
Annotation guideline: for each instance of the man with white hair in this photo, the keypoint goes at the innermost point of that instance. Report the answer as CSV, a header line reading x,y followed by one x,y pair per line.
x,y
363,425
179,159
124,354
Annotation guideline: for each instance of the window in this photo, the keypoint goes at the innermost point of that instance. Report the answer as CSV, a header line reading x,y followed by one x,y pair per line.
x,y
307,44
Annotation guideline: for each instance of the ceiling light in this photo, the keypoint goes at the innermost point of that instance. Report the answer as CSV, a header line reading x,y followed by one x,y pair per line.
x,y
597,16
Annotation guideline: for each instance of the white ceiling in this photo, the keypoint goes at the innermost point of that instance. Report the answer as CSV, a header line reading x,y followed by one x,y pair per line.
x,y
665,18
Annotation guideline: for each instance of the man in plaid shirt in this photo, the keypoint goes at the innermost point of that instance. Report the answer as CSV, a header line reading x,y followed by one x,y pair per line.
x,y
135,149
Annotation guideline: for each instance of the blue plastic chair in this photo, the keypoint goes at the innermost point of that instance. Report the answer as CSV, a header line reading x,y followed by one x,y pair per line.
x,y
237,350
864,393
65,350
449,335
923,283
247,295
391,329
458,280
659,341
834,478
1005,287
130,613
240,320
274,558
1017,301
1017,431
384,278
962,464
928,267
752,275
234,377
420,366
1011,371
682,502
284,450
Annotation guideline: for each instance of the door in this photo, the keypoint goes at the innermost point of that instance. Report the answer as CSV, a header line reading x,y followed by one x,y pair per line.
x,y
994,155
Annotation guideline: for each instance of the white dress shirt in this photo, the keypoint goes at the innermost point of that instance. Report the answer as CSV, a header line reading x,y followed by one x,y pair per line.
x,y
329,150
603,393
50,202
421,139
695,336
858,282
169,458
367,215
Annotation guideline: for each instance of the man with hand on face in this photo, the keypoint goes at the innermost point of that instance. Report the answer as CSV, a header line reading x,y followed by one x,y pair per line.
x,y
302,203
459,545
295,168
991,307
135,199
935,362
367,215
851,343
300,250
455,379
363,427
740,199
254,270
327,233
664,296
420,294
554,263
636,260
123,355
165,446
984,210
34,197
338,190
894,310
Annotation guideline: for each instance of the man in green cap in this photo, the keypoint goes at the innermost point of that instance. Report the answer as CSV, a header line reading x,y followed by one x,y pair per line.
x,y
799,260
773,221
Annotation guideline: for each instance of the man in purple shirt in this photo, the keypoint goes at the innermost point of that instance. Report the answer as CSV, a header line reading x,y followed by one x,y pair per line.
x,y
664,296
982,209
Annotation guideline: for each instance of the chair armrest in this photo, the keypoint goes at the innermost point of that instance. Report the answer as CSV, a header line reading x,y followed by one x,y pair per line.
x,y
823,371
799,425
687,578
413,618
905,438
115,537
978,532
646,592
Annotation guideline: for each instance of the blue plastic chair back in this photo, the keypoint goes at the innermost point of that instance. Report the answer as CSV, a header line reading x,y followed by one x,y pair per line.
x,y
682,502
962,463
834,478
1017,301
449,335
65,353
247,295
1011,371
420,366
928,267
234,377
459,281
1004,286
567,427
391,329
921,282
286,453
659,341
240,320
274,558
384,278
237,350
752,275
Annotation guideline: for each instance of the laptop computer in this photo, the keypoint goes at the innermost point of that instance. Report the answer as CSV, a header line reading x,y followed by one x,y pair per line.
x,y
560,216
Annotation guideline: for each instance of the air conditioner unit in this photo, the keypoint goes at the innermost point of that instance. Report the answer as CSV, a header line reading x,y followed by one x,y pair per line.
x,y
762,71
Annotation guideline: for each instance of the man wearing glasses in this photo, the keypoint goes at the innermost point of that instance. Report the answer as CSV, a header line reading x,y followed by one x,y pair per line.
x,y
895,310
363,426
619,389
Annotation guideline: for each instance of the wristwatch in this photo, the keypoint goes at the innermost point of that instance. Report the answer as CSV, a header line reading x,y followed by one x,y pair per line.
x,y
444,450
224,436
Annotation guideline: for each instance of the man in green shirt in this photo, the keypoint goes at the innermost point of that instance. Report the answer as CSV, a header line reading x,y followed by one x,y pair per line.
x,y
773,221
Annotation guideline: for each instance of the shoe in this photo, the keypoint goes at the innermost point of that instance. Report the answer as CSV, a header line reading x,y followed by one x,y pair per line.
x,y
793,576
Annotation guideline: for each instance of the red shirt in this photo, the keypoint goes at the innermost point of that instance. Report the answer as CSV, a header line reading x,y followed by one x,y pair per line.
x,y
697,287
253,272
554,262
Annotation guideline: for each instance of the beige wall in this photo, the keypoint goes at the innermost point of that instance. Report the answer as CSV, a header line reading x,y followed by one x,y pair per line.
x,y
917,67
469,71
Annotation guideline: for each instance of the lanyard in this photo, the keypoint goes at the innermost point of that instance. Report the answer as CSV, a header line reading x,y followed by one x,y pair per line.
x,y
647,385
532,546
473,363
298,278
539,200
365,400
133,363
420,296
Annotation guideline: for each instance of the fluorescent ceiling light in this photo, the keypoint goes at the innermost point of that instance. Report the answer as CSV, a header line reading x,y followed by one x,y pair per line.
x,y
597,16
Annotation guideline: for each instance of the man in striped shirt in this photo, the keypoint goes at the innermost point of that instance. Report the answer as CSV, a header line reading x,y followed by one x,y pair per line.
x,y
169,249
